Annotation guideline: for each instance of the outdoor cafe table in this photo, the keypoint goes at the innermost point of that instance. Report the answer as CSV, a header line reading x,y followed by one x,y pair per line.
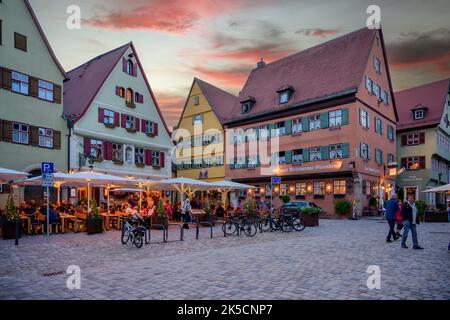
x,y
197,214
28,220
64,217
106,218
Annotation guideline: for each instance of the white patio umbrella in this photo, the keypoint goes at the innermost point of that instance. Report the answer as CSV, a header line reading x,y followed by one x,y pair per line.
x,y
187,185
225,186
7,175
439,189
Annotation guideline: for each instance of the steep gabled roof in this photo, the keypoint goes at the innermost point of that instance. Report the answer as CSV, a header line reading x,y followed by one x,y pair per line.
x,y
87,80
431,96
44,38
326,70
220,101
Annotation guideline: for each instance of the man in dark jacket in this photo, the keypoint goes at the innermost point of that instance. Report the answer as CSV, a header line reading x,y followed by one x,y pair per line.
x,y
391,210
410,220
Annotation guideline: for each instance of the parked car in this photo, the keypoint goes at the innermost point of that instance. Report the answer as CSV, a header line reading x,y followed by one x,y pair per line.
x,y
295,206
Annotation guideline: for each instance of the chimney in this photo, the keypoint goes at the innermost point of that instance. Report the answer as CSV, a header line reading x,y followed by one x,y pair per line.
x,y
260,64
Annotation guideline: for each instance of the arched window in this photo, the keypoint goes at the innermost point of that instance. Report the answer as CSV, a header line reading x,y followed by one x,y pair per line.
x,y
122,92
130,67
129,96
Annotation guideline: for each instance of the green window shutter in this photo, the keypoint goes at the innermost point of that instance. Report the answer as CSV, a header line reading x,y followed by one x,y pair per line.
x,y
305,124
368,152
345,150
324,120
306,155
257,133
288,127
344,116
368,119
325,152
288,155
258,161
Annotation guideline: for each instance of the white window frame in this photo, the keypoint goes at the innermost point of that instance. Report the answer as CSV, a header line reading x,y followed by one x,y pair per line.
x,y
284,97
319,188
315,154
45,90
96,150
117,152
314,122
364,151
413,139
419,114
46,138
130,122
196,100
198,119
336,151
139,155
297,125
156,159
21,134
20,83
364,118
297,157
108,117
335,118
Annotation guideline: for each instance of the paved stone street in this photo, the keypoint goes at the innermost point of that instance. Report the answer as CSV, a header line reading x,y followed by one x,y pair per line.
x,y
328,262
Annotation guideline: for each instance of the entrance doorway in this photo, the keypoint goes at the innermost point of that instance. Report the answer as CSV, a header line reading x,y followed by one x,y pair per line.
x,y
414,190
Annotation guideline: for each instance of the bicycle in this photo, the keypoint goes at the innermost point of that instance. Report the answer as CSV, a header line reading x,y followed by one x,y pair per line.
x,y
234,224
272,223
133,233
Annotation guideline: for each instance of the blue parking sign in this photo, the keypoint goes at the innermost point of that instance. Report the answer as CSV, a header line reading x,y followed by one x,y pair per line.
x,y
276,180
47,167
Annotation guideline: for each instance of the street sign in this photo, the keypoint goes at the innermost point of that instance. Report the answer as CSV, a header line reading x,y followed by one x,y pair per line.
x,y
276,180
47,167
47,180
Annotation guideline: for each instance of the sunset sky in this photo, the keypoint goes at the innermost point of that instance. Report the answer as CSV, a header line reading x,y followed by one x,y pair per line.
x,y
220,41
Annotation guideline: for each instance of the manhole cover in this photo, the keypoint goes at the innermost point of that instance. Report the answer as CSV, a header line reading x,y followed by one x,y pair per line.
x,y
53,274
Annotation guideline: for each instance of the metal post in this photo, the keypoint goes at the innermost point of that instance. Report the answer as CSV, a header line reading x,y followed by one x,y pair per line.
x,y
107,200
17,232
89,198
48,212
271,197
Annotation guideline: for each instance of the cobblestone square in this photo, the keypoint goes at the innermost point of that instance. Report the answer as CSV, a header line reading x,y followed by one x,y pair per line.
x,y
328,262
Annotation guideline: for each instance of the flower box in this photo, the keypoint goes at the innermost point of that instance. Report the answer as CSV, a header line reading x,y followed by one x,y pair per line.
x,y
9,230
94,226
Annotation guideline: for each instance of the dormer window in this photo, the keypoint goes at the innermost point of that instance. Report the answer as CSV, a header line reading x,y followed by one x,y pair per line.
x,y
130,67
284,97
247,104
284,94
419,114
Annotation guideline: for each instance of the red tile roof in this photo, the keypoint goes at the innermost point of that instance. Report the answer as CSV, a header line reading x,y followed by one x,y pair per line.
x,y
44,38
87,80
431,96
328,69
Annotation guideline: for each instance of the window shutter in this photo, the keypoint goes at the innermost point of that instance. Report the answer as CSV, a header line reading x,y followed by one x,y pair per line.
x,y
368,152
7,79
404,140
101,115
163,159
364,188
124,65
34,136
257,132
344,116
1,73
117,91
376,125
360,117
143,125
87,146
288,156
148,157
306,155
345,150
7,130
288,127
117,119
305,124
141,98
34,87
124,120
422,162
135,69
156,129
422,137
325,152
57,140
138,124
1,126
57,94
324,120
404,163
107,150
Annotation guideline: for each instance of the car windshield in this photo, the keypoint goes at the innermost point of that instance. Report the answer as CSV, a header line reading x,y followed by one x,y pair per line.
x,y
296,204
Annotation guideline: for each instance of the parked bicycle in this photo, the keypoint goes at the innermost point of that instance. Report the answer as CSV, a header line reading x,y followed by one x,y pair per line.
x,y
284,222
236,224
134,233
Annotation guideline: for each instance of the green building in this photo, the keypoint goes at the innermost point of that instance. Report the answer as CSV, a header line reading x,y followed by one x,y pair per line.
x,y
423,140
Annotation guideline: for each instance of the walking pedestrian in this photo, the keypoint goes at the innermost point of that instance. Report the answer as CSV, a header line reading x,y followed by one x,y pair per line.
x,y
399,219
410,221
186,212
391,211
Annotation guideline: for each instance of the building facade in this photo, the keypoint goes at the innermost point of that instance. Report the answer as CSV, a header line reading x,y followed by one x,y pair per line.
x,y
423,140
117,126
323,120
32,128
200,136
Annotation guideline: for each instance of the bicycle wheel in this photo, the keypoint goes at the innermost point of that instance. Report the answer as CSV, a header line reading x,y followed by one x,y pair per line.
x,y
265,225
249,229
298,224
229,228
138,239
125,236
286,226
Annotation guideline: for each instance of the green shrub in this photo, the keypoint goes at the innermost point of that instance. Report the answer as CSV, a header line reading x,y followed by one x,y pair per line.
x,y
421,207
250,208
312,211
285,198
160,210
95,211
342,207
373,202
11,210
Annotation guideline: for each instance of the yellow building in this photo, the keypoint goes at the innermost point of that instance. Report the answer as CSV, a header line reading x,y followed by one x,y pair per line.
x,y
200,135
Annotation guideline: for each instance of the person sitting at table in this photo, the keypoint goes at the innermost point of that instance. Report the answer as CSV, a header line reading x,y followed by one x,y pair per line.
x,y
62,208
29,210
220,211
33,204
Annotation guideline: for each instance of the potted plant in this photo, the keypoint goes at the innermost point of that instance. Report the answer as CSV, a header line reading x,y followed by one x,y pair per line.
x,y
373,204
343,208
9,218
250,210
94,221
210,217
161,217
421,207
310,216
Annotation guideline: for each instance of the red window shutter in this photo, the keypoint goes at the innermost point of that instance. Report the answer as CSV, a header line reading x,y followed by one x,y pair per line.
x,y
138,124
143,125
422,137
101,114
135,70
148,157
404,140
404,163
124,67
156,129
107,150
422,162
87,146
162,159
141,98
124,120
117,119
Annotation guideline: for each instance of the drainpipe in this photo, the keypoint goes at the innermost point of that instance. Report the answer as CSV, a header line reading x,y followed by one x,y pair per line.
x,y
70,126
